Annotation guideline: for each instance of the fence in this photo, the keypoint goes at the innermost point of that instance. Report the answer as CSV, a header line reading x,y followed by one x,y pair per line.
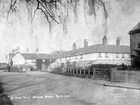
x,y
109,74
100,73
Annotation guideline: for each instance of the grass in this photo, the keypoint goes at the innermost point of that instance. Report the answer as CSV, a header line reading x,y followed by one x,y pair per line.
x,y
4,99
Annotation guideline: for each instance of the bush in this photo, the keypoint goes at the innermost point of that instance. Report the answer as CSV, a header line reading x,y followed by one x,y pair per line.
x,y
4,99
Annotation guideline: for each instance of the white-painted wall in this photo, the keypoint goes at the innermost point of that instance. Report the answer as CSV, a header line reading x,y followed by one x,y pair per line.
x,y
95,59
18,59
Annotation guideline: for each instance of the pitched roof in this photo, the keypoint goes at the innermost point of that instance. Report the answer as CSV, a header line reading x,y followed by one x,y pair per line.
x,y
98,48
136,29
34,56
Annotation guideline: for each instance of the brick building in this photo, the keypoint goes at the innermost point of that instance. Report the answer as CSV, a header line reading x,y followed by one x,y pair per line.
x,y
135,46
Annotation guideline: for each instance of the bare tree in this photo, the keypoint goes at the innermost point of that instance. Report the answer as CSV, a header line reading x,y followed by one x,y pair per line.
x,y
58,11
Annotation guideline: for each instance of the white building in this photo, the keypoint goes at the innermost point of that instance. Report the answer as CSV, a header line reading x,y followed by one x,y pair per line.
x,y
97,54
88,55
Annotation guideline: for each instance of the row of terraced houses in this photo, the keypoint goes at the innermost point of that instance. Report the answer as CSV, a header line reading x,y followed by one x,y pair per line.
x,y
104,53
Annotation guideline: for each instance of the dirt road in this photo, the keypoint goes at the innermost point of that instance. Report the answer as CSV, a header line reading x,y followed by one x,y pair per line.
x,y
39,88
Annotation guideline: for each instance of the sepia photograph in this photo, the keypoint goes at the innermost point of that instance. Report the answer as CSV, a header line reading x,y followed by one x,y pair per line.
x,y
69,52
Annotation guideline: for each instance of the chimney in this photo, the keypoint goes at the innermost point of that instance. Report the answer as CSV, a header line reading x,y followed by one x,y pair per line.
x,y
85,43
74,46
105,40
27,50
37,51
118,41
16,50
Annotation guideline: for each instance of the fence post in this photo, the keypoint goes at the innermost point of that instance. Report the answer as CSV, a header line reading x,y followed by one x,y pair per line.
x,y
112,74
88,71
70,71
73,71
77,70
84,71
80,71
94,72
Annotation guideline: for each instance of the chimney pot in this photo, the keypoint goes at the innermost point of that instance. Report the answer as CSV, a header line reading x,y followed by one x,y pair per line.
x,y
74,46
118,41
104,40
85,43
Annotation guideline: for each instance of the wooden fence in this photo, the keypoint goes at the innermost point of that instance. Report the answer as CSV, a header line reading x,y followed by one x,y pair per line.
x,y
100,73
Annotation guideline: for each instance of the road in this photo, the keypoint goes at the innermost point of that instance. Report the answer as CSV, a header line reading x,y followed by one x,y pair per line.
x,y
40,88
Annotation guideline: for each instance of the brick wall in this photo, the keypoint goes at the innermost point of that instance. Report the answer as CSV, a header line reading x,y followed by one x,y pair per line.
x,y
125,76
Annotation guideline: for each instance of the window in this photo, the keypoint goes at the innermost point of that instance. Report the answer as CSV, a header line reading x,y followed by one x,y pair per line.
x,y
123,56
76,58
100,55
106,55
81,56
117,55
138,45
33,61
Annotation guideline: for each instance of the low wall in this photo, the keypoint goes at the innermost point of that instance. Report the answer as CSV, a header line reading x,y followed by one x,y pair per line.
x,y
125,76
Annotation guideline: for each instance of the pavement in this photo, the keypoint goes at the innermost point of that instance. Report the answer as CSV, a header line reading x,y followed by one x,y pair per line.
x,y
41,88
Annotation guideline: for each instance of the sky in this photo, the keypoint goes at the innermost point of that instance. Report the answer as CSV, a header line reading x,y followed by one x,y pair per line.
x,y
18,31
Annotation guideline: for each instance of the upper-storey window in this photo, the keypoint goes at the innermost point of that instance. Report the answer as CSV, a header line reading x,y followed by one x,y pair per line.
x,y
106,55
100,55
117,55
123,56
81,56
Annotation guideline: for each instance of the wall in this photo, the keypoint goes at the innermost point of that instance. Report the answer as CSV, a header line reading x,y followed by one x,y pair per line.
x,y
112,59
125,76
18,59
94,57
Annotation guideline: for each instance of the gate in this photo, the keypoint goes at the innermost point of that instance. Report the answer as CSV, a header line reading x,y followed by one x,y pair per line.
x,y
102,73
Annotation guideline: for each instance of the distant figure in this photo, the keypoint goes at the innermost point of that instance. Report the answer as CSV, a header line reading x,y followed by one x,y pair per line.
x,y
10,64
31,68
8,67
